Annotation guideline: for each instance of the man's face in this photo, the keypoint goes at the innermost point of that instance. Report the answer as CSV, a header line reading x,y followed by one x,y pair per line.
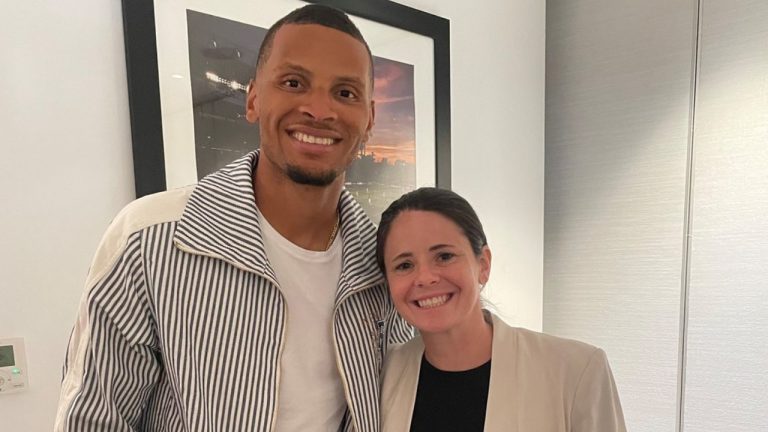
x,y
312,100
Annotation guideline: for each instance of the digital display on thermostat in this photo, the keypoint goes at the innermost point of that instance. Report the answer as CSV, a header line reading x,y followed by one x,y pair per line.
x,y
6,356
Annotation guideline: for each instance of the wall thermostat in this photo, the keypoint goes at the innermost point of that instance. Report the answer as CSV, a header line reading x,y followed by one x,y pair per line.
x,y
13,366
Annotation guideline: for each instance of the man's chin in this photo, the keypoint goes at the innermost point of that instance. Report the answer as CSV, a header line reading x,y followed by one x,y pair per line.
x,y
307,178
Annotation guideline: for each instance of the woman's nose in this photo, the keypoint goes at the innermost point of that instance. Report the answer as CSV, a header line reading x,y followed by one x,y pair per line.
x,y
426,276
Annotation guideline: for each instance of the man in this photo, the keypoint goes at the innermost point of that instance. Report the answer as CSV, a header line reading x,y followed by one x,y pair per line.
x,y
251,301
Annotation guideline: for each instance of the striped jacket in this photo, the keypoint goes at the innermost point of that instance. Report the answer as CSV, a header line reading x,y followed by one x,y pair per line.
x,y
181,324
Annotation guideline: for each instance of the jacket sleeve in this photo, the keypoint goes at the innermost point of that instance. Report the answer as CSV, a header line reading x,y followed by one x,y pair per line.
x,y
112,363
596,406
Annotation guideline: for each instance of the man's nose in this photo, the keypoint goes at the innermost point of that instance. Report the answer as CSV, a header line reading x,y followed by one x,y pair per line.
x,y
319,105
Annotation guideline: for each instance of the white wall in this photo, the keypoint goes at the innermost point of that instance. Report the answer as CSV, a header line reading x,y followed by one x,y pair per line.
x,y
618,110
66,162
655,229
497,110
727,344
66,170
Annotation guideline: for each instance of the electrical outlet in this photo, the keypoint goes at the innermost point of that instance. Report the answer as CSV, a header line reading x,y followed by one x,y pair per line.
x,y
13,366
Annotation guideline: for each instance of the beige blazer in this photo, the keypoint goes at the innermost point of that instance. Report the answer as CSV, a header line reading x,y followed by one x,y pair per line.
x,y
539,383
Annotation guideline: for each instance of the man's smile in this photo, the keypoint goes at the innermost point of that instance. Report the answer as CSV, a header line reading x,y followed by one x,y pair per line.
x,y
312,139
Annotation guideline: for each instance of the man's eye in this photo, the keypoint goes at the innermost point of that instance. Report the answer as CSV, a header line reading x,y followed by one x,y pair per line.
x,y
292,83
347,94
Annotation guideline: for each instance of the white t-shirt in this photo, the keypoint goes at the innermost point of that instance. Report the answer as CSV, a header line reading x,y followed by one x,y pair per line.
x,y
310,393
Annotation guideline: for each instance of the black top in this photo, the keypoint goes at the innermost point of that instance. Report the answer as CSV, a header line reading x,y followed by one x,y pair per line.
x,y
451,401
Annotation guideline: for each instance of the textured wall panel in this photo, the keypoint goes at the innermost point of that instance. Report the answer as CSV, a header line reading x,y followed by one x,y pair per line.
x,y
727,364
617,122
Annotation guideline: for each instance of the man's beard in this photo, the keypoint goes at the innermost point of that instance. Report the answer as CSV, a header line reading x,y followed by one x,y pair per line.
x,y
303,177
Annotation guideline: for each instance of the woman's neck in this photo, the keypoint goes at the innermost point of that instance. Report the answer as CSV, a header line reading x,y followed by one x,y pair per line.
x,y
463,348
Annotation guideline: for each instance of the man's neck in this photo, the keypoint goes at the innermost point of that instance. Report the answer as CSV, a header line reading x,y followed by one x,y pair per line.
x,y
305,215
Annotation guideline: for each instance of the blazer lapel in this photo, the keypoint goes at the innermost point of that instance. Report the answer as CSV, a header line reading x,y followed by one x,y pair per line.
x,y
399,404
501,410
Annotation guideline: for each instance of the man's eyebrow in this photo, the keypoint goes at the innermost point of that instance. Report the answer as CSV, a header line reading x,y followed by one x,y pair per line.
x,y
351,80
296,68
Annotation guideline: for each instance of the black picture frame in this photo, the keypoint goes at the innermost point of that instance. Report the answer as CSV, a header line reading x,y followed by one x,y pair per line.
x,y
144,86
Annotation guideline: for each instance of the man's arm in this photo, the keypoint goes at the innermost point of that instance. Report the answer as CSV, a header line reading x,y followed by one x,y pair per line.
x,y
112,365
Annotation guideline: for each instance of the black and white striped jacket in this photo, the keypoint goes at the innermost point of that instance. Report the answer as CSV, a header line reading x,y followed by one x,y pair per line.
x,y
181,325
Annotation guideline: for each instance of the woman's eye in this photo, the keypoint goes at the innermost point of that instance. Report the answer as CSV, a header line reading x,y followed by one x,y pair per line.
x,y
403,266
445,256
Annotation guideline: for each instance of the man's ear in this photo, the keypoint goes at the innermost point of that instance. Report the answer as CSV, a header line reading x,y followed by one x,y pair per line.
x,y
251,103
371,121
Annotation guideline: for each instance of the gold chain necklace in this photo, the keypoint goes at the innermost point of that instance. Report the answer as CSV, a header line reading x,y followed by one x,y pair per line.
x,y
333,233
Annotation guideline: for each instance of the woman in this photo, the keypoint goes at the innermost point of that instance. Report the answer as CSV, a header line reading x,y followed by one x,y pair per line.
x,y
468,370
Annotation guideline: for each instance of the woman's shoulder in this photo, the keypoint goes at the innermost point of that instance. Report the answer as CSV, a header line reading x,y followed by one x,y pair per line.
x,y
404,352
550,349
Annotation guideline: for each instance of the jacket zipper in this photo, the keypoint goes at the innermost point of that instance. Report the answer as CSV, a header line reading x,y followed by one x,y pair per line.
x,y
285,324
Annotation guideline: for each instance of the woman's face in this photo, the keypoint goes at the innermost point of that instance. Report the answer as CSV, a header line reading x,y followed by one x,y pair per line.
x,y
434,276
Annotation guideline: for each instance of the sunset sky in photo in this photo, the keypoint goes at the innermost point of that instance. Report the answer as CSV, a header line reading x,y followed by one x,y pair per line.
x,y
394,133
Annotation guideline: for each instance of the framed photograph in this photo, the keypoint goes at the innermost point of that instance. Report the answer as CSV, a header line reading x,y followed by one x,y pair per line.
x,y
189,63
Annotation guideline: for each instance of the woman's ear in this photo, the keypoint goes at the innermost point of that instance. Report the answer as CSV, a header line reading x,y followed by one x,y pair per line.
x,y
485,265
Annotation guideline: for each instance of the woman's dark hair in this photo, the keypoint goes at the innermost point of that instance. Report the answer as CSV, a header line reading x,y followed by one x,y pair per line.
x,y
441,201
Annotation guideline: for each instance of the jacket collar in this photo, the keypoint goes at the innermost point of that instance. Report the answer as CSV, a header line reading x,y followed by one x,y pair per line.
x,y
500,393
503,389
220,221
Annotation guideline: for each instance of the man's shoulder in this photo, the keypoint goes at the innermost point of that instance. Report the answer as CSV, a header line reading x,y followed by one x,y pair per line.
x,y
157,208
357,229
350,207
138,215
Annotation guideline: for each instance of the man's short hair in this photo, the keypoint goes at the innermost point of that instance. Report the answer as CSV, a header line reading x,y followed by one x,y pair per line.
x,y
312,14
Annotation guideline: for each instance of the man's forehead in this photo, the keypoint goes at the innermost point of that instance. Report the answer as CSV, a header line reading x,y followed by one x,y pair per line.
x,y
295,43
305,37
